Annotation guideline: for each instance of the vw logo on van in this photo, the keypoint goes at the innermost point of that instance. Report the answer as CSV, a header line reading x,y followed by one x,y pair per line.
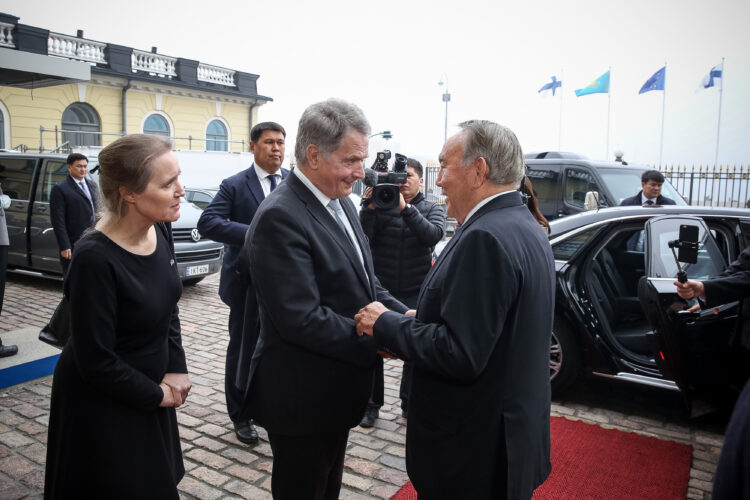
x,y
195,235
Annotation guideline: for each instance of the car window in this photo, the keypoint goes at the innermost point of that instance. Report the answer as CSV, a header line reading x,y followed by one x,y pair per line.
x,y
564,250
15,177
710,263
577,184
201,199
545,180
626,183
53,172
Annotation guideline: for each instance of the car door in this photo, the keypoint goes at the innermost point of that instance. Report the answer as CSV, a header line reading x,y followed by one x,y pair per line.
x,y
16,177
692,349
578,182
45,254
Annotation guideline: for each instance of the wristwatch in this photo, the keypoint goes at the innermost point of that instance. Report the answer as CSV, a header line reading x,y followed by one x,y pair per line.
x,y
407,207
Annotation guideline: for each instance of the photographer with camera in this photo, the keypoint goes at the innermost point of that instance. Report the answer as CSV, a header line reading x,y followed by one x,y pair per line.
x,y
403,230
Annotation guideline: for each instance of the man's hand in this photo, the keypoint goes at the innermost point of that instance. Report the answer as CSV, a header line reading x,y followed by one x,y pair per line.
x,y
367,316
168,397
401,202
690,289
368,194
180,385
66,254
411,312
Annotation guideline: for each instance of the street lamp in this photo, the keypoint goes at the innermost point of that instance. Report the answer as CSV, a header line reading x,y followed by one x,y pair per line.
x,y
386,134
446,100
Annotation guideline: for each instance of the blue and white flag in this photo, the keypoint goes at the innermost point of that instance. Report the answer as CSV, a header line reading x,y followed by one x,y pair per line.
x,y
716,72
656,82
549,88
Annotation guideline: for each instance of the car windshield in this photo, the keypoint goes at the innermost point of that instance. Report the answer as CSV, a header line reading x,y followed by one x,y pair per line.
x,y
626,183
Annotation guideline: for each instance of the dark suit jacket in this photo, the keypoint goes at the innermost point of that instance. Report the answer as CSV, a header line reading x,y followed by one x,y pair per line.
x,y
636,200
70,211
310,373
226,220
480,349
733,284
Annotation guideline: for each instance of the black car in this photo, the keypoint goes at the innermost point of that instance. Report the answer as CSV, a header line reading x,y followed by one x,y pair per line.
x,y
617,313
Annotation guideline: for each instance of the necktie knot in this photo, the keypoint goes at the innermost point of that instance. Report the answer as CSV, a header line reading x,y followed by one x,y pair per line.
x,y
649,202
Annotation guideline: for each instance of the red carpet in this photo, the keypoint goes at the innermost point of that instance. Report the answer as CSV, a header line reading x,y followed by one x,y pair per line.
x,y
591,462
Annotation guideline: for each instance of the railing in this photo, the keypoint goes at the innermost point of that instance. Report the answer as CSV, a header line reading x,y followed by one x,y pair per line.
x,y
153,63
76,48
6,35
215,74
177,142
721,186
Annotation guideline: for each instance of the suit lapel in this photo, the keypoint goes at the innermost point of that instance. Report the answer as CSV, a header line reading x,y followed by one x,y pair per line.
x,y
324,218
253,184
351,213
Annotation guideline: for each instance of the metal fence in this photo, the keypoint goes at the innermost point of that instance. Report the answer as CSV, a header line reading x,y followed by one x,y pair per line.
x,y
721,186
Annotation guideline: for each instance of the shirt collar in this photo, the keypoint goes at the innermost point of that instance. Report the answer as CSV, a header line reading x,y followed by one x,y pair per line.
x,y
262,174
322,198
484,202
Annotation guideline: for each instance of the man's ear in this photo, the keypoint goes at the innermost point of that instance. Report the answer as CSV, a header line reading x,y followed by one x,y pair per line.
x,y
481,170
312,153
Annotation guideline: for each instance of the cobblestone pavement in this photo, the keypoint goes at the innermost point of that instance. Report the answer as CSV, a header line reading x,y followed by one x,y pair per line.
x,y
219,466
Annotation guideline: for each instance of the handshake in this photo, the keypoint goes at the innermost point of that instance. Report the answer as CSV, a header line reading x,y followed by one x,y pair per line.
x,y
365,319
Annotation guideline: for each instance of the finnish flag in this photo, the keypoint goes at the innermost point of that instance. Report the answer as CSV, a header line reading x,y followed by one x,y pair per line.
x,y
716,72
550,87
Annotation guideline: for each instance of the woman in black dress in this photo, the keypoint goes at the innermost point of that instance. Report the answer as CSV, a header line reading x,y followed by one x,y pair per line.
x,y
113,430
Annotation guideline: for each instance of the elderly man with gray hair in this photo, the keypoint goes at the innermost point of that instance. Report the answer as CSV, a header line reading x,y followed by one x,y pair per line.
x,y
311,268
479,411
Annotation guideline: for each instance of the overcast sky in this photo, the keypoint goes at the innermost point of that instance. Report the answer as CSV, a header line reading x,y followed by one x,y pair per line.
x,y
388,57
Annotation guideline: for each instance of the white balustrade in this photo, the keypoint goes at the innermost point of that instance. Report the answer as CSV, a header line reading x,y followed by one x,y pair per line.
x,y
76,48
153,63
215,74
6,35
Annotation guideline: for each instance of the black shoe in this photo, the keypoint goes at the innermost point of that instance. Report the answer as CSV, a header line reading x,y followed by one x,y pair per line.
x,y
8,350
404,413
369,419
246,432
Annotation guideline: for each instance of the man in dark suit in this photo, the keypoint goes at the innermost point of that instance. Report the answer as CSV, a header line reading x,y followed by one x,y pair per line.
x,y
72,205
312,271
479,410
650,194
226,220
731,477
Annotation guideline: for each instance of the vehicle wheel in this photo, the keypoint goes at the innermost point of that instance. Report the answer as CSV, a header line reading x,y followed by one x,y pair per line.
x,y
192,281
564,357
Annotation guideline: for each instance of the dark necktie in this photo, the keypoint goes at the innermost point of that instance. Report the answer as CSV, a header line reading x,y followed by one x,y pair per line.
x,y
649,202
272,178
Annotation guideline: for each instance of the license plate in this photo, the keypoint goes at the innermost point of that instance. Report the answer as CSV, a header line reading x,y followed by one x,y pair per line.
x,y
196,270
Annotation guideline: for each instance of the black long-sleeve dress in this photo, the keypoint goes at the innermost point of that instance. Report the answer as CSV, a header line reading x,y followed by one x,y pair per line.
x,y
108,437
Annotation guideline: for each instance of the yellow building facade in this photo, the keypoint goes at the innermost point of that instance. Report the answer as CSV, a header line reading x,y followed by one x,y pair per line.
x,y
198,106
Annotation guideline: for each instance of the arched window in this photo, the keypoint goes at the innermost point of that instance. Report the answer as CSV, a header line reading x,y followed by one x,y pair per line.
x,y
2,130
156,125
216,136
4,127
78,121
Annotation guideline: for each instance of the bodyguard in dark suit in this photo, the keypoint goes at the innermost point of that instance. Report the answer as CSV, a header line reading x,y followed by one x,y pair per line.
x,y
73,203
226,220
479,411
312,271
650,194
731,479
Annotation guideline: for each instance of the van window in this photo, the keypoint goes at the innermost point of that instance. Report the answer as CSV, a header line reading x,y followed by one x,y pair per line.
x,y
577,184
545,180
54,171
15,177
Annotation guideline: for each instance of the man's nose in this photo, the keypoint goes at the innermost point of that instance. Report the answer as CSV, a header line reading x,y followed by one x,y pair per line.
x,y
359,170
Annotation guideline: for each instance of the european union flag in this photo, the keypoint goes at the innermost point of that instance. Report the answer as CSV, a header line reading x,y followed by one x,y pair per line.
x,y
656,82
551,86
598,86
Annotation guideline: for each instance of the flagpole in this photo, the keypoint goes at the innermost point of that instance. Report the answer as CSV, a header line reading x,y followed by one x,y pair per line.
x,y
559,130
663,107
718,124
609,107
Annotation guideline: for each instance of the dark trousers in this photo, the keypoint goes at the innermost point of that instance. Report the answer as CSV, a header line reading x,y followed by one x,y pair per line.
x,y
378,378
235,395
3,266
307,467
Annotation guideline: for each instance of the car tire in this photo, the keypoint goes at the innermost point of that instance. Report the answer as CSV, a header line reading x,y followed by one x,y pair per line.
x,y
192,281
564,357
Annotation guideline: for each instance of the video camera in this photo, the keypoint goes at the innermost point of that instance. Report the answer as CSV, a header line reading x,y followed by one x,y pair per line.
x,y
384,183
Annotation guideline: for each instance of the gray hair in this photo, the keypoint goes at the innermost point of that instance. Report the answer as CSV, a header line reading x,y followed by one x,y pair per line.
x,y
325,124
499,147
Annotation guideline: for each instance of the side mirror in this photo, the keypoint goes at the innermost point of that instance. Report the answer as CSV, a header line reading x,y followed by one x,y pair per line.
x,y
5,201
592,200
